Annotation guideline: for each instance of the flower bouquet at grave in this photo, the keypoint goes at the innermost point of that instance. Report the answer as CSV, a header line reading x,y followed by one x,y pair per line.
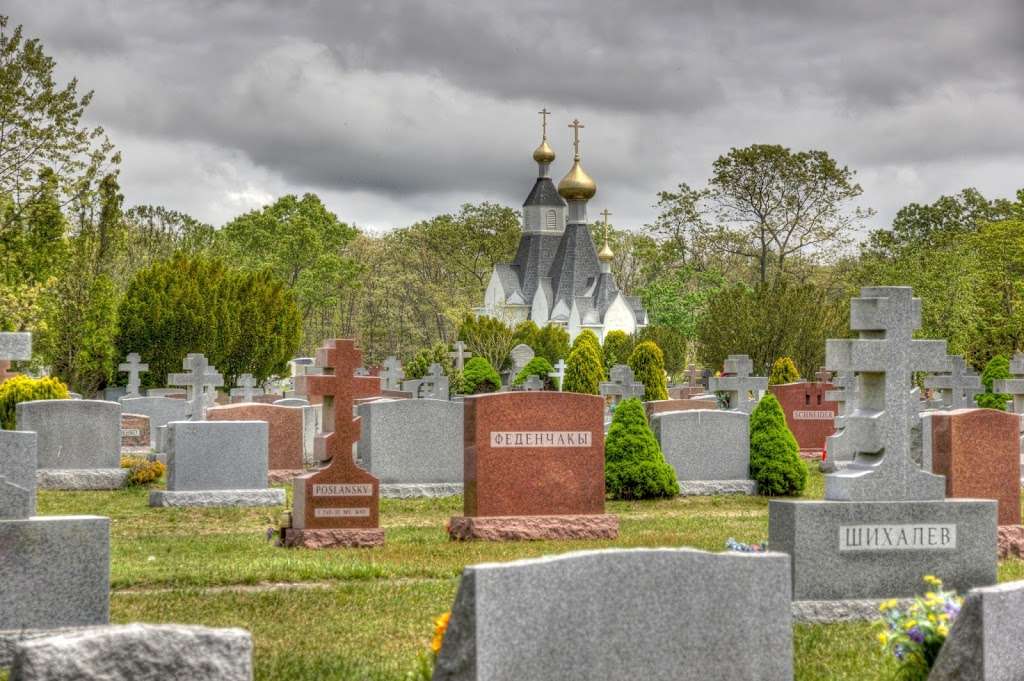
x,y
915,635
424,670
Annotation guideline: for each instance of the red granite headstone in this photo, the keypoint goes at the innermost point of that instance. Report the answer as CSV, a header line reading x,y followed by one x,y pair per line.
x,y
534,468
5,370
285,433
134,432
808,414
338,505
978,450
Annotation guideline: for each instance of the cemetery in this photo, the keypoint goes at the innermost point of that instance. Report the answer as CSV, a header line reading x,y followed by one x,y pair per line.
x,y
766,436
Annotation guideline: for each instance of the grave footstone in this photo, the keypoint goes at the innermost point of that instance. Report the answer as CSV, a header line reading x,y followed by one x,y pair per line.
x,y
159,410
79,442
885,521
534,468
984,642
742,390
414,447
137,652
285,428
978,453
200,381
217,463
55,570
809,414
708,448
338,505
133,366
622,614
956,389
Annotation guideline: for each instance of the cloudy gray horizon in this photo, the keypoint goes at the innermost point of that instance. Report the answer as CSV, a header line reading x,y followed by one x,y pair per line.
x,y
395,112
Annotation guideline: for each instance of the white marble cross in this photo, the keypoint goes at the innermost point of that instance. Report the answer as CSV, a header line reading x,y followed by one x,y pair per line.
x,y
559,373
246,383
392,373
133,367
197,377
1013,386
460,355
743,390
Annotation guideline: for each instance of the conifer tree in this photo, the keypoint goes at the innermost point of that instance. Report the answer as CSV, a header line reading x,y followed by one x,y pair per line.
x,y
648,365
634,466
584,371
775,462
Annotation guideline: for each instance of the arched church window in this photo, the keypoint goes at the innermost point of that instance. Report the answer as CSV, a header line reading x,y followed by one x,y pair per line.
x,y
551,219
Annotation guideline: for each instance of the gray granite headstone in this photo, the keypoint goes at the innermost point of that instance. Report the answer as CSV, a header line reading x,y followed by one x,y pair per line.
x,y
15,346
160,410
957,388
176,393
17,475
622,384
292,402
838,449
246,388
217,463
137,652
533,383
885,358
622,614
985,641
743,391
521,356
1013,386
79,445
414,447
706,445
434,386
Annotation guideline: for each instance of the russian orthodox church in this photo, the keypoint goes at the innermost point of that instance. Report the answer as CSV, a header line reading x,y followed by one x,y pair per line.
x,y
558,276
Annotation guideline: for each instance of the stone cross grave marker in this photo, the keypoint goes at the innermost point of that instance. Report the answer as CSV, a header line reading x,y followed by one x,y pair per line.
x,y
823,376
433,386
884,357
533,383
559,373
743,390
361,371
392,373
133,367
623,384
246,387
197,377
340,504
958,387
1013,386
460,355
693,376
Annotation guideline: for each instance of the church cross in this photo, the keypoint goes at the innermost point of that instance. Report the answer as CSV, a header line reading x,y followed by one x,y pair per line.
x,y
544,113
576,125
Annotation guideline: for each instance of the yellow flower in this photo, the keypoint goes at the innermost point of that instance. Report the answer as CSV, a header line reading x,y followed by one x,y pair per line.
x,y
932,580
888,605
943,630
943,617
440,627
883,638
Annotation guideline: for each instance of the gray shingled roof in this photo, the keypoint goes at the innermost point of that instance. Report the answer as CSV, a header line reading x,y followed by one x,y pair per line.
x,y
533,260
575,265
544,193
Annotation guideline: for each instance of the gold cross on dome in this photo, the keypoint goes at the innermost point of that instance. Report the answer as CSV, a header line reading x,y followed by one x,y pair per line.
x,y
544,113
576,125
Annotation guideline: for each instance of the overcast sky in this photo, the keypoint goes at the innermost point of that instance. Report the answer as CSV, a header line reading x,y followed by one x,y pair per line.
x,y
394,112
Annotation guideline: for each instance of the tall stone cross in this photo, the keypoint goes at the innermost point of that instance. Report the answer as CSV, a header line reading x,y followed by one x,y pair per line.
x,y
460,355
342,495
884,358
623,384
196,379
559,373
693,375
133,367
957,388
247,384
435,385
392,373
823,375
1013,386
13,346
742,390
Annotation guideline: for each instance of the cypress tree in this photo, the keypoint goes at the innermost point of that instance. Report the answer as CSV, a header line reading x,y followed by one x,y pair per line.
x,y
584,371
648,365
634,466
775,462
783,371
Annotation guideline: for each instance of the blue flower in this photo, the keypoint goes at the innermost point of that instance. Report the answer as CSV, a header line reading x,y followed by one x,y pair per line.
x,y
915,635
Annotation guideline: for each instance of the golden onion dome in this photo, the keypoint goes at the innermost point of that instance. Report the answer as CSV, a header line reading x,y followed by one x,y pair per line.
x,y
605,254
544,153
577,185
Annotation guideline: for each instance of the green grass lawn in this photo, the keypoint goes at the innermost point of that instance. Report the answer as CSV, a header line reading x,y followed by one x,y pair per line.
x,y
366,614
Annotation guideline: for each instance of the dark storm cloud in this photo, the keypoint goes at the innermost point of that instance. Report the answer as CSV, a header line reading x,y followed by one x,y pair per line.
x,y
413,99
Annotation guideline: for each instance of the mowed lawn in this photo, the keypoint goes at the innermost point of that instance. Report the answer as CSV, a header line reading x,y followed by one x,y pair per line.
x,y
366,614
